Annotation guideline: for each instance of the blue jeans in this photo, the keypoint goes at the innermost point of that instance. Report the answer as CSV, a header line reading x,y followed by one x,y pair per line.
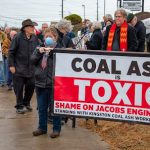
x,y
2,75
43,101
7,73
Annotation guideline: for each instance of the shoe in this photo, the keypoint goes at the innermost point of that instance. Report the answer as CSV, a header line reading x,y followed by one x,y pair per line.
x,y
20,111
38,132
9,88
29,108
54,134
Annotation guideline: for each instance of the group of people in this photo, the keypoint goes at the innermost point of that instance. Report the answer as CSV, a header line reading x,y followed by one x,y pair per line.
x,y
30,59
123,33
5,40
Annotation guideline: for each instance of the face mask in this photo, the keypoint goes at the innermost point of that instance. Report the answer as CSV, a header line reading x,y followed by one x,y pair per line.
x,y
49,42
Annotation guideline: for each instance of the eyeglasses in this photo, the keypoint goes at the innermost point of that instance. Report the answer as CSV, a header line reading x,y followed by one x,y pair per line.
x,y
118,16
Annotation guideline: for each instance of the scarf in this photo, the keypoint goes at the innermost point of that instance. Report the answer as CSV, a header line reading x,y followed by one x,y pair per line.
x,y
123,36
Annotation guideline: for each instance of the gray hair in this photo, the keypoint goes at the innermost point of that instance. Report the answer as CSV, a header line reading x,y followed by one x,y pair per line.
x,y
64,24
122,11
96,25
109,17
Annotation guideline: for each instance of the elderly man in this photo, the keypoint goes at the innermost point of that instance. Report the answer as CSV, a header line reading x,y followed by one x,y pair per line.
x,y
7,30
21,49
120,36
107,17
140,31
41,35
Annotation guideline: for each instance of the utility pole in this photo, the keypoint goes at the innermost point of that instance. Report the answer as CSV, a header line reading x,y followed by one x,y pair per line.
x,y
120,4
62,10
104,7
97,11
142,5
84,10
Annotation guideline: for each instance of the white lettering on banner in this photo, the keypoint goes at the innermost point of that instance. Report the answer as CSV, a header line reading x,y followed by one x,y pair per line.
x,y
95,91
82,85
138,95
122,93
147,95
102,85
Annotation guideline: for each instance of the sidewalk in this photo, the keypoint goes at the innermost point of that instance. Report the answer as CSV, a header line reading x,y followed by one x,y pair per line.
x,y
16,131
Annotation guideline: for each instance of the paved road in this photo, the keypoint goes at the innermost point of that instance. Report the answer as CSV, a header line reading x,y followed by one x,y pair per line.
x,y
16,131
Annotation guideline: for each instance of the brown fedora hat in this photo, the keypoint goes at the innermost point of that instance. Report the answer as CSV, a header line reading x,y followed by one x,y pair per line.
x,y
28,22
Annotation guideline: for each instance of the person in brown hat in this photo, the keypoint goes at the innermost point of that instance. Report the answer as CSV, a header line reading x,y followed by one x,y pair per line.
x,y
28,26
21,49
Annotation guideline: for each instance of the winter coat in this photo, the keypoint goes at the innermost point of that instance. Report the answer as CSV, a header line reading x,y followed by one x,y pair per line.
x,y
64,40
95,42
131,38
5,47
43,77
20,53
141,35
2,37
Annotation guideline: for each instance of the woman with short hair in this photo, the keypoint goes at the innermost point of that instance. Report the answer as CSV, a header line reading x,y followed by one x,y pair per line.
x,y
95,42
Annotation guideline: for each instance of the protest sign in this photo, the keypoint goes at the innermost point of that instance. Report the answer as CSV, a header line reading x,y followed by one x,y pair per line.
x,y
104,85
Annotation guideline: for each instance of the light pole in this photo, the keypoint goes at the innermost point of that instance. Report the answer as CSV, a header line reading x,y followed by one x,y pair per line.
x,y
142,5
84,10
97,10
62,9
104,7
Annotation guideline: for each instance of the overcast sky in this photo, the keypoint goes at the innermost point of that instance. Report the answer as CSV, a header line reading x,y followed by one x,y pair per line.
x,y
13,12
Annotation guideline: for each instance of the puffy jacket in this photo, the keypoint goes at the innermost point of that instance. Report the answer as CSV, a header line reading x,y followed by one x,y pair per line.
x,y
20,53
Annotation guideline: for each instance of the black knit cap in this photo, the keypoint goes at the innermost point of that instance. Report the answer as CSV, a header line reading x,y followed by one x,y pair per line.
x,y
130,17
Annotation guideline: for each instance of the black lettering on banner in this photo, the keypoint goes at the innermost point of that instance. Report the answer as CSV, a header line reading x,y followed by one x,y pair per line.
x,y
113,68
86,66
103,67
134,69
146,66
73,64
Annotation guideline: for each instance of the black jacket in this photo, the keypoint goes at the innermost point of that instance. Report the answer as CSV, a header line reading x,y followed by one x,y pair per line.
x,y
95,42
141,35
43,78
20,52
131,38
64,40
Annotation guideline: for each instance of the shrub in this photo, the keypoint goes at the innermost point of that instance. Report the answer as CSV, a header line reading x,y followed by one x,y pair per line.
x,y
74,18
